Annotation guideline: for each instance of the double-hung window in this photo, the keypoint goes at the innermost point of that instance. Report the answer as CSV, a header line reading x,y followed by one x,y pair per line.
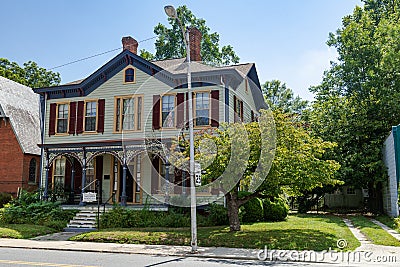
x,y
202,116
128,113
168,113
59,172
62,118
90,116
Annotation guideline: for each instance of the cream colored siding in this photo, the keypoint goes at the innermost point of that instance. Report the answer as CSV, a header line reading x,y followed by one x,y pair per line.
x,y
146,86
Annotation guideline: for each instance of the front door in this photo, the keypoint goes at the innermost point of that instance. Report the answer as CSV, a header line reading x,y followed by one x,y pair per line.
x,y
133,181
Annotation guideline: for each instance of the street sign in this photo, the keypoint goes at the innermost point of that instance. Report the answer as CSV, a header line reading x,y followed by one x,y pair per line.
x,y
89,197
197,174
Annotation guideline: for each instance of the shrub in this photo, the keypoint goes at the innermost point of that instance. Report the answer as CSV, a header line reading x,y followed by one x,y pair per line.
x,y
4,199
276,210
30,210
218,215
252,211
120,217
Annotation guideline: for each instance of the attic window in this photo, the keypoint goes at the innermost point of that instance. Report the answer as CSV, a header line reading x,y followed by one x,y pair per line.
x,y
130,75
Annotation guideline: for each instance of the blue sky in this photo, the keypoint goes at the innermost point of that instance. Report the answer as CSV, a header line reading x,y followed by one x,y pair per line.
x,y
286,39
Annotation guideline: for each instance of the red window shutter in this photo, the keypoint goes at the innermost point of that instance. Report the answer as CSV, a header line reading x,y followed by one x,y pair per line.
x,y
235,116
156,112
180,108
215,108
52,120
72,117
79,121
241,110
101,111
154,175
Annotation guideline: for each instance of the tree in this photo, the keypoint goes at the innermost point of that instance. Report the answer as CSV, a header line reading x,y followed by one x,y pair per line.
x,y
357,102
297,163
170,44
278,96
30,74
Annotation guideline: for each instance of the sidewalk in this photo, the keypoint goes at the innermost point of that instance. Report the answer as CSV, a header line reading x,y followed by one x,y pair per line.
x,y
366,253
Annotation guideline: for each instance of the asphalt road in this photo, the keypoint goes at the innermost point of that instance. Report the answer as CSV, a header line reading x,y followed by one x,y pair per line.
x,y
14,257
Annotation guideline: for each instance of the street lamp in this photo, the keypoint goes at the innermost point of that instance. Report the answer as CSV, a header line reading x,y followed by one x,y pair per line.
x,y
171,12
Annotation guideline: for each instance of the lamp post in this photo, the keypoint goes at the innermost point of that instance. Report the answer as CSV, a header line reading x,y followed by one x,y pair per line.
x,y
171,12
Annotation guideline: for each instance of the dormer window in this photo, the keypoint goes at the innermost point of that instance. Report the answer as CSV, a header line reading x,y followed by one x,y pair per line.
x,y
129,75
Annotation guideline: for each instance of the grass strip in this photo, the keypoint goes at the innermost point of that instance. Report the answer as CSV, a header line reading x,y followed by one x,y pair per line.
x,y
374,232
298,232
393,223
23,231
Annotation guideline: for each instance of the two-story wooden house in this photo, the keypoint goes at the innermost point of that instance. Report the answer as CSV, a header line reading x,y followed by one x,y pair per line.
x,y
99,128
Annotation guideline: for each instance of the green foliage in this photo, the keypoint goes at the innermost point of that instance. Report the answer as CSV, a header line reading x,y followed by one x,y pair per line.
x,y
30,74
218,215
28,209
278,96
276,210
170,44
4,199
357,102
120,217
252,211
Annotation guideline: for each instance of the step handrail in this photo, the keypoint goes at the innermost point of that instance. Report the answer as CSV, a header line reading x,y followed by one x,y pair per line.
x,y
92,182
111,197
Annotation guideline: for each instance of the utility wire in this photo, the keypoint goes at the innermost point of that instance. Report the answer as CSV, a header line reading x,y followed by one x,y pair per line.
x,y
103,53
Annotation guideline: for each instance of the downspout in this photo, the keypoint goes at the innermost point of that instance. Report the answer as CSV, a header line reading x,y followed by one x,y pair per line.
x,y
396,138
42,125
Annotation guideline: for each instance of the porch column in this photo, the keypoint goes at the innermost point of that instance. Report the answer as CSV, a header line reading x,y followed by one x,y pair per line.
x,y
167,166
81,203
46,179
72,193
123,197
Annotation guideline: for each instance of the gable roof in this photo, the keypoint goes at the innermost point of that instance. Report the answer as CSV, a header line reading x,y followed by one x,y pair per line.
x,y
21,105
170,71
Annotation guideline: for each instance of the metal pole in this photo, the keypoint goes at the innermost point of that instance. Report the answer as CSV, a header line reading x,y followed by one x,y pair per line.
x,y
171,12
191,151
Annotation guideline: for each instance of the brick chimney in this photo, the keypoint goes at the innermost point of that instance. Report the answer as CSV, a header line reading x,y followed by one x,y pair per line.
x,y
195,44
128,43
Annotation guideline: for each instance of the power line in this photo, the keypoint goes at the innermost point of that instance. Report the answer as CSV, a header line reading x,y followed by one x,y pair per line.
x,y
103,53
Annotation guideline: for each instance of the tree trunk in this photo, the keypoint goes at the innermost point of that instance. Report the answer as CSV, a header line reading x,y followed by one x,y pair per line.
x,y
233,210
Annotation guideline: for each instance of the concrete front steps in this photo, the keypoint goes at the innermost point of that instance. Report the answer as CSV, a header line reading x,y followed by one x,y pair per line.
x,y
84,220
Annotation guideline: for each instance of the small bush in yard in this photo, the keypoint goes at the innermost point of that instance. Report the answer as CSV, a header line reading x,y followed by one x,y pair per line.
x,y
276,210
28,209
218,215
252,210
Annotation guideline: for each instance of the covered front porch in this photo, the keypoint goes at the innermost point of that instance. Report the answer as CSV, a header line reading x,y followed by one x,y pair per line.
x,y
129,176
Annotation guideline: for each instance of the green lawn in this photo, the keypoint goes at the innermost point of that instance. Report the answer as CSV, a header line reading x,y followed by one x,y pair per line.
x,y
300,232
393,223
23,230
374,232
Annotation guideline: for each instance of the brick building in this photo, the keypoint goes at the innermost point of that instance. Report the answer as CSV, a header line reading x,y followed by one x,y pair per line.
x,y
19,137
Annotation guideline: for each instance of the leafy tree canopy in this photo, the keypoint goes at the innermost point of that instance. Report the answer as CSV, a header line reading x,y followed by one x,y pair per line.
x,y
298,162
358,100
170,44
278,96
30,74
